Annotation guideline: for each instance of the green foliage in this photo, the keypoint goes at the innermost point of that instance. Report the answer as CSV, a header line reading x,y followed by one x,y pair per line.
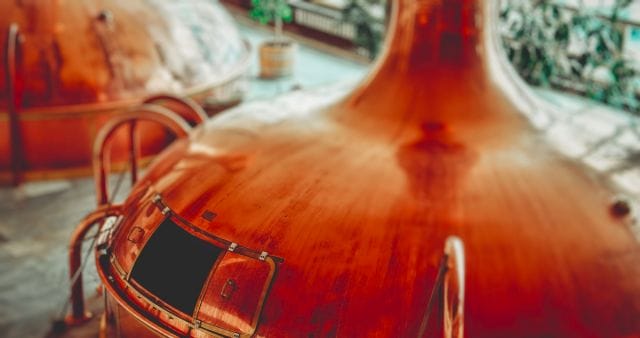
x,y
266,11
571,49
369,30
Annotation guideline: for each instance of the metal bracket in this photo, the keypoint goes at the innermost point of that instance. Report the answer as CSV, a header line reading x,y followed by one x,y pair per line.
x,y
157,200
233,246
263,255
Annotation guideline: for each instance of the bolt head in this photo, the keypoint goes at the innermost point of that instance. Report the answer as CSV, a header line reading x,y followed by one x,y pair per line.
x,y
620,208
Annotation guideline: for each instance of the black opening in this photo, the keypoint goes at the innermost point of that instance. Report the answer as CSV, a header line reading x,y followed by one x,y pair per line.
x,y
174,266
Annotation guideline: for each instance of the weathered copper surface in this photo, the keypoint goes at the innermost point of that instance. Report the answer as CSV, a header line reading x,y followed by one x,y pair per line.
x,y
78,63
353,204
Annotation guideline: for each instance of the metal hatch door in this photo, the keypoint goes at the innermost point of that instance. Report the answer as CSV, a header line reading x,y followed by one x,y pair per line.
x,y
235,294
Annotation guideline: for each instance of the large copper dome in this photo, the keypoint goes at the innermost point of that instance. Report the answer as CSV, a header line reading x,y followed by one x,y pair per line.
x,y
75,63
332,222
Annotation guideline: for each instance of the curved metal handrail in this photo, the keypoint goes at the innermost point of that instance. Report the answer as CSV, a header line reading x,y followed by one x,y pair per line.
x,y
192,108
454,288
78,313
148,112
449,281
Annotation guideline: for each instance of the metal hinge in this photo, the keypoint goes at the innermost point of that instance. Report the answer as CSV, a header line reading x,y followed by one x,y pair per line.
x,y
263,255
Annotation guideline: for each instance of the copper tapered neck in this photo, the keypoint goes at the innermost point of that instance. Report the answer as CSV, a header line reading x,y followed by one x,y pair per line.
x,y
449,36
435,34
437,65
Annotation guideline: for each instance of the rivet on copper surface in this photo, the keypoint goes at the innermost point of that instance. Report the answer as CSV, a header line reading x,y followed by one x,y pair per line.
x,y
620,207
105,16
209,215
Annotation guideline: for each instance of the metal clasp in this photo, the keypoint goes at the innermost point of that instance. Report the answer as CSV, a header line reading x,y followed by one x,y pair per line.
x,y
263,255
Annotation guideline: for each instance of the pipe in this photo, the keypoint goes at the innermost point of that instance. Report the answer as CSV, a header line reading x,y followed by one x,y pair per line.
x,y
147,112
78,313
13,40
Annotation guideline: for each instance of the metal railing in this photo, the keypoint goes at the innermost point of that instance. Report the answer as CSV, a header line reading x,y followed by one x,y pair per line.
x,y
449,283
148,112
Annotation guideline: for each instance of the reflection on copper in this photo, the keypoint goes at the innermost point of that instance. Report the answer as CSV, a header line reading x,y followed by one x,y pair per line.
x,y
68,67
359,199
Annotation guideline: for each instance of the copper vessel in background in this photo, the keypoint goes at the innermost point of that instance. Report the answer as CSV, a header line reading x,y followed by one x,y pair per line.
x,y
68,66
339,221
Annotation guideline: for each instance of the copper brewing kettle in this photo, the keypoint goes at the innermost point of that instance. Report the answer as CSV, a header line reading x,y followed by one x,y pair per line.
x,y
332,222
69,66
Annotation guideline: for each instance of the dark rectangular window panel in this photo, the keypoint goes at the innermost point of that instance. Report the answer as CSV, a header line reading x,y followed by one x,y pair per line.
x,y
174,266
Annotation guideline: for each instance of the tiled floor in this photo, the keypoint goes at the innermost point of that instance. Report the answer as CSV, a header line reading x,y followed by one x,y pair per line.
x,y
36,222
